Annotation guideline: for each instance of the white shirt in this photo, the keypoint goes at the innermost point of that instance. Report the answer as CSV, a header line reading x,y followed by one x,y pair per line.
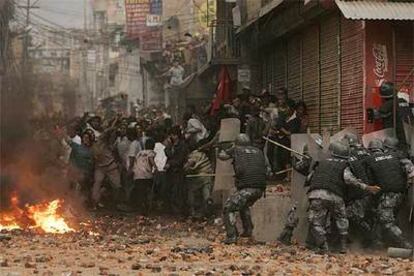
x,y
122,146
176,74
77,140
195,124
160,156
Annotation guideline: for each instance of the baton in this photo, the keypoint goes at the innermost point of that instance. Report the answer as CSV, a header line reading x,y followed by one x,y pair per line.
x,y
208,174
227,174
286,148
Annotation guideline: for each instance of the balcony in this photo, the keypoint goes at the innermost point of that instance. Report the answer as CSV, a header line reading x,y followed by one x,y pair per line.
x,y
222,48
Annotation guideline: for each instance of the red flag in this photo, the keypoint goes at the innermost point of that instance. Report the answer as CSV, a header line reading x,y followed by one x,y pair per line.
x,y
222,92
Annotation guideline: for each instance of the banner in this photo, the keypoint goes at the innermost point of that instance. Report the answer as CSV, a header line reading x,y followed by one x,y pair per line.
x,y
144,21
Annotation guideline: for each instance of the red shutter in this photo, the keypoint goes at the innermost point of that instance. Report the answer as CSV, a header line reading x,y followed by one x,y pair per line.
x,y
404,44
329,73
310,81
352,107
294,68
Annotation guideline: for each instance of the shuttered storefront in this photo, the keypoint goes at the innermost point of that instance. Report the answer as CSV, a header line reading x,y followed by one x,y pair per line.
x,y
404,49
279,59
267,71
329,73
352,96
294,70
310,72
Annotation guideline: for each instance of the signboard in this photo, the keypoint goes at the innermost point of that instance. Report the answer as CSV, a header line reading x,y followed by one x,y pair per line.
x,y
243,75
144,18
151,40
154,20
136,16
379,63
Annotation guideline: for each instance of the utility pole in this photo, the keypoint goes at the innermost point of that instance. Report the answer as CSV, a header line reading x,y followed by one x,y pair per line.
x,y
28,7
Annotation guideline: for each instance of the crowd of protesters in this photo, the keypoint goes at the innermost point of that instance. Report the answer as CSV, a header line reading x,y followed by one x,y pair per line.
x,y
146,161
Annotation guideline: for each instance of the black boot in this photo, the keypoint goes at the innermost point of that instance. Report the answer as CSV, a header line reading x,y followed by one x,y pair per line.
x,y
247,223
343,245
231,230
286,236
403,243
323,249
230,240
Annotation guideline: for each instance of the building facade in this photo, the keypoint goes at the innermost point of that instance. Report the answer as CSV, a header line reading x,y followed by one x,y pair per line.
x,y
333,55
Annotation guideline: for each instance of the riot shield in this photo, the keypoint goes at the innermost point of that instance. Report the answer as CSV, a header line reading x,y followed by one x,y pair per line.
x,y
380,134
224,181
409,136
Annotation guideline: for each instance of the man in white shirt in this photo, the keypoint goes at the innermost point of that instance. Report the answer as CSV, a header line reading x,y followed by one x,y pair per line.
x,y
176,74
160,176
195,130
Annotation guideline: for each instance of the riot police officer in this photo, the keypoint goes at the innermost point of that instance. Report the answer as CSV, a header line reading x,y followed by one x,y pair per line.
x,y
250,173
326,193
390,171
359,203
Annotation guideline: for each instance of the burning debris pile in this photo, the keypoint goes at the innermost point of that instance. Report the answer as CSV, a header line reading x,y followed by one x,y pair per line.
x,y
45,217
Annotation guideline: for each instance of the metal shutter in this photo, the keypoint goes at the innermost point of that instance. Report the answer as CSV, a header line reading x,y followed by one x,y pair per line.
x,y
404,45
310,81
329,73
279,68
352,92
294,70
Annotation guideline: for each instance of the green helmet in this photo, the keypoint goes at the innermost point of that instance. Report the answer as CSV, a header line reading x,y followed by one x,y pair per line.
x,y
339,149
375,144
387,90
351,138
242,140
391,142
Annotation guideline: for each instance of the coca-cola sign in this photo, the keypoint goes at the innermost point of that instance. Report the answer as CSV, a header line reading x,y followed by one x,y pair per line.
x,y
379,51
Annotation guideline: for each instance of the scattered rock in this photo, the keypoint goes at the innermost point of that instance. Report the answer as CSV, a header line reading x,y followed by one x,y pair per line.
x,y
87,264
136,266
4,262
30,265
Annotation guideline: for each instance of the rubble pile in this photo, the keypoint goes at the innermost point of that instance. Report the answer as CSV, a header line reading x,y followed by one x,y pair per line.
x,y
137,245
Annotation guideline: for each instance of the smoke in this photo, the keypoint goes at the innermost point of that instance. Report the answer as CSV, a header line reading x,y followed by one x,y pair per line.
x,y
30,153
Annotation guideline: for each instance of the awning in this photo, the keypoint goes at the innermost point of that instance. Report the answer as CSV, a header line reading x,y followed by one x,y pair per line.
x,y
376,10
262,12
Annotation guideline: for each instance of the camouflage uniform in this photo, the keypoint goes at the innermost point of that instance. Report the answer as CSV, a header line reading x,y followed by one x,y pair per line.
x,y
290,225
250,172
390,172
359,203
327,189
240,201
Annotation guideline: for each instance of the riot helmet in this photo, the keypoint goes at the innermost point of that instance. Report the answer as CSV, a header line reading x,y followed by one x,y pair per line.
x,y
339,149
242,140
352,139
375,144
391,143
387,90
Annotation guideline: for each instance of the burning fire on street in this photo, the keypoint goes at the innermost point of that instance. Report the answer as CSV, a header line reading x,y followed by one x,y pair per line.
x,y
46,217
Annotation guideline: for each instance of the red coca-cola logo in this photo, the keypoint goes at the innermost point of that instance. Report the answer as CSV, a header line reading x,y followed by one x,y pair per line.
x,y
379,52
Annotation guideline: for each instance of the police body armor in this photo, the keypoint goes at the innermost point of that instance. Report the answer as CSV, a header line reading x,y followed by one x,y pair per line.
x,y
388,172
249,167
329,175
358,164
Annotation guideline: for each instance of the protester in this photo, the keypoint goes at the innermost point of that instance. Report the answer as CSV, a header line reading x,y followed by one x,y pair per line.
x,y
143,170
177,154
200,184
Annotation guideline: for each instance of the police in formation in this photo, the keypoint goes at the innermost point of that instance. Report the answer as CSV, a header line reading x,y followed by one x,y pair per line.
x,y
364,187
250,179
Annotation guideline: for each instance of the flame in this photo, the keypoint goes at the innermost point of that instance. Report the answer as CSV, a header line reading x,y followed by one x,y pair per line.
x,y
42,216
46,218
